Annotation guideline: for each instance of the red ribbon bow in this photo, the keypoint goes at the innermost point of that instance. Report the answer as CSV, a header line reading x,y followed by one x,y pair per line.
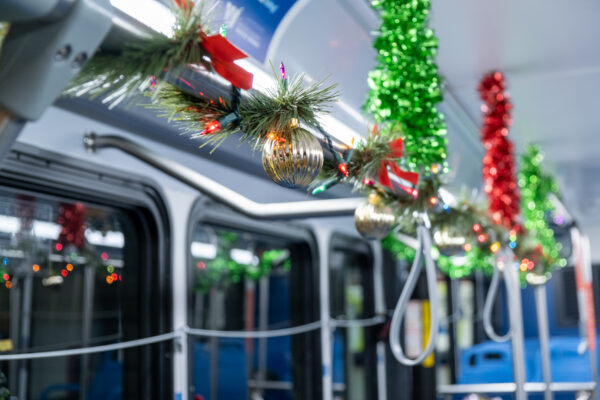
x,y
222,55
396,149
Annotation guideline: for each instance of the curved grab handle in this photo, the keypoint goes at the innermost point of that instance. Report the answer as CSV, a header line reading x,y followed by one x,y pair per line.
x,y
487,309
424,248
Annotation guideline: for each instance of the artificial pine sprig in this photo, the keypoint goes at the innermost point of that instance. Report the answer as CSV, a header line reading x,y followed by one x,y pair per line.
x,y
275,108
257,115
123,74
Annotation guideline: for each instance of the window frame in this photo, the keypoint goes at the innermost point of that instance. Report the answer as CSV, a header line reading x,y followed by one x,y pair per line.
x,y
307,365
38,172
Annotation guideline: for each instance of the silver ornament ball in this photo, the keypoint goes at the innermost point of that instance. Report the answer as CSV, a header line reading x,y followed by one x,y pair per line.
x,y
374,221
292,158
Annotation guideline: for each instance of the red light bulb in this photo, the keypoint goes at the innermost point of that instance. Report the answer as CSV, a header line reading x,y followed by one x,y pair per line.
x,y
343,169
211,127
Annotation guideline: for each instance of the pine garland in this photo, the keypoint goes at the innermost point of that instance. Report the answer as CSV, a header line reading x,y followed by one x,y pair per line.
x,y
258,114
405,87
121,75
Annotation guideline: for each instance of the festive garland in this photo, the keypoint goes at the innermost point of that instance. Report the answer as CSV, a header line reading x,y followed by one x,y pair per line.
x,y
277,110
405,86
410,141
499,166
275,120
455,268
222,270
541,251
121,75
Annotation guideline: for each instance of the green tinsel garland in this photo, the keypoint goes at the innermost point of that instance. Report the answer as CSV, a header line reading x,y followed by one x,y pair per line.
x,y
536,187
222,270
476,259
405,87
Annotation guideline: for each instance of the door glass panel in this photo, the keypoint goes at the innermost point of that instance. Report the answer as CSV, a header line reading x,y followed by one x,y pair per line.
x,y
242,281
63,277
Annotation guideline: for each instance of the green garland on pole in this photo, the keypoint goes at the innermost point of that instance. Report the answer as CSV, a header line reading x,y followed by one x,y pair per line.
x,y
405,87
476,259
223,270
536,188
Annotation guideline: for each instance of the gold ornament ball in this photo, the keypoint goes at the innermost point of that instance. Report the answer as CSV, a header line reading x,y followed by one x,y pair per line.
x,y
374,220
292,158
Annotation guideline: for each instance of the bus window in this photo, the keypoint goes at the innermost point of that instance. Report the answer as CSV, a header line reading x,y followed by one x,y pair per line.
x,y
246,281
70,278
352,297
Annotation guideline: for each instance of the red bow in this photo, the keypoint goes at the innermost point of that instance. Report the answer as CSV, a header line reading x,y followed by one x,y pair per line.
x,y
396,149
222,57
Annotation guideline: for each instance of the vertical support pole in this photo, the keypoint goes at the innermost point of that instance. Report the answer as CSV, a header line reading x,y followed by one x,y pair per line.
x,y
263,324
88,309
323,238
515,314
591,318
214,345
25,333
15,295
541,308
585,299
379,310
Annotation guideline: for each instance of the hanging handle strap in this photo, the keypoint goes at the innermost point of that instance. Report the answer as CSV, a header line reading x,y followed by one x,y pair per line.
x,y
488,307
424,248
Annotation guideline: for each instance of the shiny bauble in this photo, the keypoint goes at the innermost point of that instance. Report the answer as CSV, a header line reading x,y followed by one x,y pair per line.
x,y
374,220
292,158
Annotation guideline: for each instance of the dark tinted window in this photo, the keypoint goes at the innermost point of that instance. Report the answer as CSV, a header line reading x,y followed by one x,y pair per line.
x,y
250,281
69,275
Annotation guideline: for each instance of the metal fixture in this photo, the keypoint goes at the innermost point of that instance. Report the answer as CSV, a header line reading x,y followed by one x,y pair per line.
x,y
220,193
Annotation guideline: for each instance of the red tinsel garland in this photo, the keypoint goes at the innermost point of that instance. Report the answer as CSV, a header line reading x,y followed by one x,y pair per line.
x,y
499,167
71,217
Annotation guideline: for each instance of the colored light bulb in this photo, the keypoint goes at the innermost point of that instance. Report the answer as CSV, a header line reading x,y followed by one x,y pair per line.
x,y
282,70
211,127
343,168
494,247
